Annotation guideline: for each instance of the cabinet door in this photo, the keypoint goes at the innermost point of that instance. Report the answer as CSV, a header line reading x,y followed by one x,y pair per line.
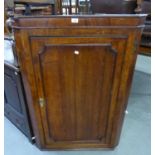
x,y
74,89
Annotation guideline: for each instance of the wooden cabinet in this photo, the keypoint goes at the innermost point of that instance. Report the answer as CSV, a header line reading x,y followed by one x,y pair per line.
x,y
15,108
15,105
77,73
71,84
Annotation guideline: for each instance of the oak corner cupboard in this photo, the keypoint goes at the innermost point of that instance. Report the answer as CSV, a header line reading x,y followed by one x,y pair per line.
x,y
77,72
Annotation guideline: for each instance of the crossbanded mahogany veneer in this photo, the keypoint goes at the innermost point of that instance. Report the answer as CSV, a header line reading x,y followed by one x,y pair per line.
x,y
77,73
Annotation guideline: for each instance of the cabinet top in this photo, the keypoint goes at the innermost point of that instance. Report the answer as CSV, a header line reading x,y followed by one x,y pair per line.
x,y
82,16
97,20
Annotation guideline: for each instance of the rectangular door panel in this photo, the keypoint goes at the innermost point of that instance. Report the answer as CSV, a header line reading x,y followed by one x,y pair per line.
x,y
117,45
77,86
76,91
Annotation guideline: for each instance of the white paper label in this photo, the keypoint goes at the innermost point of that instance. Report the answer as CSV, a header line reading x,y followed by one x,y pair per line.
x,y
76,52
74,20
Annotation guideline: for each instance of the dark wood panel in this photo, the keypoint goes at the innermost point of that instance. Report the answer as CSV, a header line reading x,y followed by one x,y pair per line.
x,y
15,108
12,96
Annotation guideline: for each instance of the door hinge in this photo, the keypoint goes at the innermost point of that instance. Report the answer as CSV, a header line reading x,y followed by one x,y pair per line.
x,y
41,102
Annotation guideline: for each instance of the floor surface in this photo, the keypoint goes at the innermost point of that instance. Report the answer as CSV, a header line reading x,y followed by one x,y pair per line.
x,y
135,137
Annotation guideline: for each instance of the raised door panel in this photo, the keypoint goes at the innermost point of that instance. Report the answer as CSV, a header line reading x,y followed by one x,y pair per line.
x,y
92,75
76,83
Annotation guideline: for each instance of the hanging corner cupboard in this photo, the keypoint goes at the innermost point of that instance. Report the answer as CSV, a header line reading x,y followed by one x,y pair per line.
x,y
77,73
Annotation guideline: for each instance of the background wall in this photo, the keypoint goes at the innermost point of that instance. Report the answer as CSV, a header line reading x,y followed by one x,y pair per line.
x,y
143,64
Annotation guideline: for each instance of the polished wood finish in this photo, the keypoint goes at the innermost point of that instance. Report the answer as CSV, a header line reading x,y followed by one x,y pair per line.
x,y
77,73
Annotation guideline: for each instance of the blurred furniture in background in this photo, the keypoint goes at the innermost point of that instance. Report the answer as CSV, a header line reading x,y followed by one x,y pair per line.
x,y
34,7
145,46
73,7
113,6
128,7
31,7
15,105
